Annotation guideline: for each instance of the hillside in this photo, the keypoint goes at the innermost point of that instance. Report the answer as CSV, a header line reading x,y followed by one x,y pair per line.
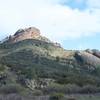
x,y
33,63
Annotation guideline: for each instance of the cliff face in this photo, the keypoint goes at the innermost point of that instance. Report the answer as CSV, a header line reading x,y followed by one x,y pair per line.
x,y
28,33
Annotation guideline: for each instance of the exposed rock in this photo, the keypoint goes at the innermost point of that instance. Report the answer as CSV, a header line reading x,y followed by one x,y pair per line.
x,y
27,33
39,83
96,53
89,51
19,31
87,58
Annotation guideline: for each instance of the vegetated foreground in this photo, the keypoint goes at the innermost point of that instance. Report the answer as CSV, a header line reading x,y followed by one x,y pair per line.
x,y
68,97
32,65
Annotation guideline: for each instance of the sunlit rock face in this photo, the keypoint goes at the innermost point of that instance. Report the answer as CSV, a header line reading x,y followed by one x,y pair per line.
x,y
88,58
28,33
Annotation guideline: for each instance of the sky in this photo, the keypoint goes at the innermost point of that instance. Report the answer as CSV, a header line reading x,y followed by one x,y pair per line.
x,y
73,23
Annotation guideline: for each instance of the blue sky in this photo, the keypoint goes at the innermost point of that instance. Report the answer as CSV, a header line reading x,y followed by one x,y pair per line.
x,y
73,23
74,4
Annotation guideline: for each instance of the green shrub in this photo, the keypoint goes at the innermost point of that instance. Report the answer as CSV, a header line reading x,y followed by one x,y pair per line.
x,y
13,88
37,93
69,88
56,96
71,98
2,68
89,89
57,58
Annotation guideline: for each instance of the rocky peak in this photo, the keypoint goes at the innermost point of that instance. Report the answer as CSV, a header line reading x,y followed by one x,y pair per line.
x,y
31,30
27,33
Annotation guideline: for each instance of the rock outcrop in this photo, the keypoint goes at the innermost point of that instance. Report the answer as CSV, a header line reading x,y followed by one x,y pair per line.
x,y
94,52
88,58
28,33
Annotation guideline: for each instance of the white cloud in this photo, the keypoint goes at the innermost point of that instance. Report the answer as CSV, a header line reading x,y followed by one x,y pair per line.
x,y
93,3
56,21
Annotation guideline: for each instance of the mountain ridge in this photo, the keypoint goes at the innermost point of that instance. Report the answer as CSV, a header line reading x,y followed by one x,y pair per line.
x,y
28,33
33,62
89,56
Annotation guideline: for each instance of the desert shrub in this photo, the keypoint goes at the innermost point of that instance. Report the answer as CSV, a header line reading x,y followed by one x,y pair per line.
x,y
28,72
56,96
57,58
89,89
70,89
2,67
37,93
78,78
13,88
56,88
71,98
96,71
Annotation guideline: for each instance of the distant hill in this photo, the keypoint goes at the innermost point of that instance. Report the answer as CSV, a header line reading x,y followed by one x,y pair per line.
x,y
34,62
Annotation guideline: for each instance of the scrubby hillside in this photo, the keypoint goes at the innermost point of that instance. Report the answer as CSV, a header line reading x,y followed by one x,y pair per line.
x,y
37,66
